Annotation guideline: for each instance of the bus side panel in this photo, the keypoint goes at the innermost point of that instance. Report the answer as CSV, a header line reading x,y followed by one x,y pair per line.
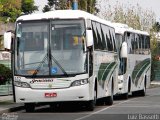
x,y
138,68
105,67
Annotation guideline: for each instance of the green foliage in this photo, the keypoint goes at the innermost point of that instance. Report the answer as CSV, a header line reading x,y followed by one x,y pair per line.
x,y
28,6
133,16
46,8
10,9
156,26
137,18
154,51
85,5
5,74
1,45
53,4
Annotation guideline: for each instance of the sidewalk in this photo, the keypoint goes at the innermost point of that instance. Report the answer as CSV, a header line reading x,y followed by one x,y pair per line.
x,y
7,104
155,83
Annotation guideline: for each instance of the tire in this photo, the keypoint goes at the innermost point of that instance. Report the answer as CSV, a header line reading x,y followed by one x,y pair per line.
x,y
30,107
135,93
143,92
109,100
91,104
125,96
140,92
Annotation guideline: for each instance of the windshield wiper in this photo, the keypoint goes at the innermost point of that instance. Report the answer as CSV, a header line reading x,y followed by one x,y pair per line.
x,y
42,62
39,66
54,59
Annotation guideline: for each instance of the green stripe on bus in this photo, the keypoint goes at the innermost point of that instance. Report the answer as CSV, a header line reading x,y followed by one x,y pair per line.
x,y
101,70
105,70
139,70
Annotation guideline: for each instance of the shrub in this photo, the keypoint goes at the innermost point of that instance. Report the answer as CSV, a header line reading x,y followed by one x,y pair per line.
x,y
5,74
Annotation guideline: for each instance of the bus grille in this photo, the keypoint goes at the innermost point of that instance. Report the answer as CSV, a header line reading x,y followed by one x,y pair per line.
x,y
55,85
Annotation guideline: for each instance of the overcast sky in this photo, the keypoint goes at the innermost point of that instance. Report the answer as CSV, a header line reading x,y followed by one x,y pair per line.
x,y
153,5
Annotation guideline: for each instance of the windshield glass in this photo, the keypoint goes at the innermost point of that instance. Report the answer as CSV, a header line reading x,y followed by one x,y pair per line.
x,y
56,48
67,46
119,40
122,65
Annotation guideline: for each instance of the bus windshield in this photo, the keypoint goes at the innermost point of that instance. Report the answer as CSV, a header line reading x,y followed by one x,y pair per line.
x,y
119,39
54,47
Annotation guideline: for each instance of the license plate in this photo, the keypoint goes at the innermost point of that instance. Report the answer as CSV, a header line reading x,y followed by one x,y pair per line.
x,y
50,95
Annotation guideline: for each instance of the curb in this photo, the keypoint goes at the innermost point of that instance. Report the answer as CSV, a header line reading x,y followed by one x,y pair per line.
x,y
12,109
155,83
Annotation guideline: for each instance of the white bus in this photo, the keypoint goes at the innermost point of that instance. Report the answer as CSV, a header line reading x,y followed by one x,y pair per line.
x,y
135,60
64,55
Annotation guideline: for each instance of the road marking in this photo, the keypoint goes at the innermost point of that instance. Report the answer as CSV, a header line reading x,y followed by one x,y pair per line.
x,y
102,110
138,106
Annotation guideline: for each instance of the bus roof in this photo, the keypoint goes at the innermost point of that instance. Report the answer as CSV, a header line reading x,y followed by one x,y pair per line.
x,y
63,14
122,28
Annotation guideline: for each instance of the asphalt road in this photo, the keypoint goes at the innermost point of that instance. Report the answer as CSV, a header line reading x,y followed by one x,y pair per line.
x,y
135,108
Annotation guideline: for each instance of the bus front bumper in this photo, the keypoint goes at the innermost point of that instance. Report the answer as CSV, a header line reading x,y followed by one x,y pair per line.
x,y
28,95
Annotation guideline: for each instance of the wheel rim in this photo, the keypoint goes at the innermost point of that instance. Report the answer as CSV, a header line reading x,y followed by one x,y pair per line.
x,y
112,93
95,96
144,89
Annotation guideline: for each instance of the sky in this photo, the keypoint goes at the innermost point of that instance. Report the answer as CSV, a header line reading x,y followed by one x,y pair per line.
x,y
153,5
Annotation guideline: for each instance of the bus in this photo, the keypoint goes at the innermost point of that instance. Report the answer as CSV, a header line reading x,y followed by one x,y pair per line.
x,y
62,56
135,60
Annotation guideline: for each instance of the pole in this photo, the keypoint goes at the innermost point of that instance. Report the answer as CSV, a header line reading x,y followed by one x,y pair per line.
x,y
75,5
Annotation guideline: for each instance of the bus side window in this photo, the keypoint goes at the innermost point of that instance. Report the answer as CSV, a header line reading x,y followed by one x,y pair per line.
x,y
94,35
104,32
109,42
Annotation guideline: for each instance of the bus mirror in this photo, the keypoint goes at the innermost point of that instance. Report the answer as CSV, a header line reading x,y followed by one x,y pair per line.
x,y
89,36
123,52
7,40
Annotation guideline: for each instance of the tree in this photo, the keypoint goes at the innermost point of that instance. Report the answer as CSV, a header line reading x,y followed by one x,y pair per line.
x,y
156,26
46,8
5,74
133,16
1,44
155,50
55,4
10,9
86,5
14,8
137,18
28,6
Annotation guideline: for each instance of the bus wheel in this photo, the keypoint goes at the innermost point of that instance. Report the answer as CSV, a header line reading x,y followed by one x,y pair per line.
x,y
125,96
29,107
91,104
135,93
143,92
109,100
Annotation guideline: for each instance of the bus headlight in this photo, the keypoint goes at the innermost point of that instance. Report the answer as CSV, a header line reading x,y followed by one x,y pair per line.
x,y
79,82
21,84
